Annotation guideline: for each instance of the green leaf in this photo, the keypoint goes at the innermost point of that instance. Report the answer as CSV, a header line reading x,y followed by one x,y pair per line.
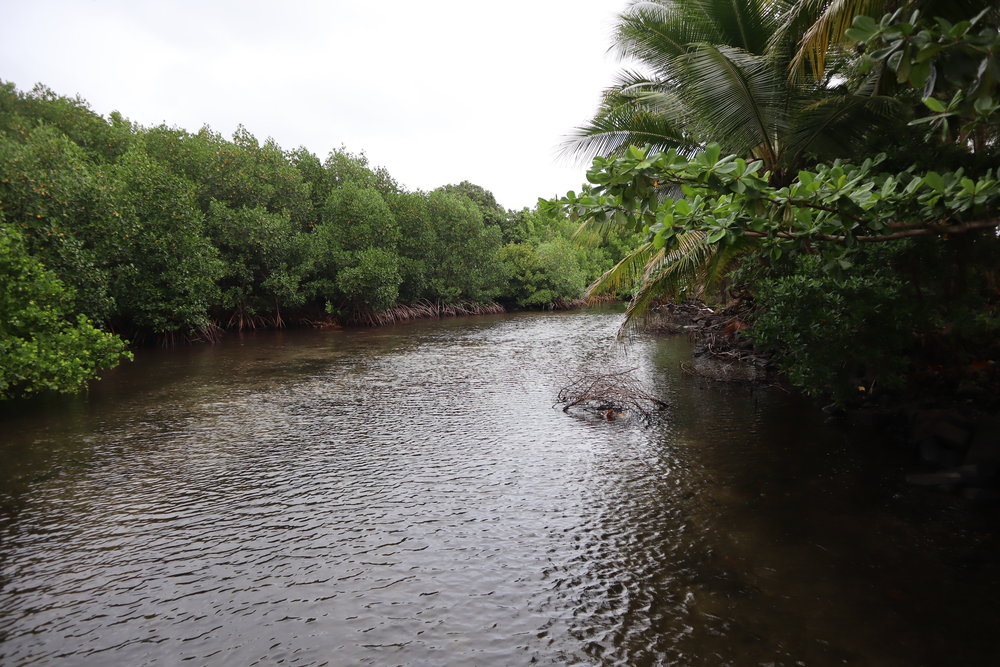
x,y
919,74
931,81
927,52
934,180
894,63
725,168
933,104
984,105
862,29
716,235
712,152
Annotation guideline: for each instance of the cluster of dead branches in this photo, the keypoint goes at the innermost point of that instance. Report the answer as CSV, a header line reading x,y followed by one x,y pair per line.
x,y
611,395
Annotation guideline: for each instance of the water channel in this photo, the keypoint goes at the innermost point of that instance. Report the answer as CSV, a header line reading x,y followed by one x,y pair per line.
x,y
408,495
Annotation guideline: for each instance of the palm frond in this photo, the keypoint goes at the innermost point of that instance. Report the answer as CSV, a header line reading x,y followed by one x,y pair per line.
x,y
717,265
831,18
666,274
744,24
832,126
664,282
633,113
739,98
657,32
795,21
693,266
627,273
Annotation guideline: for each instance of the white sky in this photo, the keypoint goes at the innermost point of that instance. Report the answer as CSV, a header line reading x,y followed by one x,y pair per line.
x,y
436,91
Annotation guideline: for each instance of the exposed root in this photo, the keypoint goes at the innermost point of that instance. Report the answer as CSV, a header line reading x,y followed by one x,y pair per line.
x,y
722,351
611,395
423,310
209,333
567,304
328,322
242,318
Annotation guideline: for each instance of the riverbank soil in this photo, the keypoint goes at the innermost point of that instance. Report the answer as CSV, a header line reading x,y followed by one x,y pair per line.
x,y
947,419
721,350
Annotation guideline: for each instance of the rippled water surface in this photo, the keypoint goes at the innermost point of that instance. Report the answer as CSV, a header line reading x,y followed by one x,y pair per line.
x,y
408,495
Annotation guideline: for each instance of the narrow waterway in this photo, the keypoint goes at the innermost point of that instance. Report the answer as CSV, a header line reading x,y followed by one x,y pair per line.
x,y
408,495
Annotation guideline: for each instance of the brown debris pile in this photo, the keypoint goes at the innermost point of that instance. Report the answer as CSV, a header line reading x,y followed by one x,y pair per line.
x,y
611,395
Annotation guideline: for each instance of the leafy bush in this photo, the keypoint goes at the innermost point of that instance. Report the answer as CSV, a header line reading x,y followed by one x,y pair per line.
x,y
831,334
371,280
43,345
462,264
263,258
544,274
164,269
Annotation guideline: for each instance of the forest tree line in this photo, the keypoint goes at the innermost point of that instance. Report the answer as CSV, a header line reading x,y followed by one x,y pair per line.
x,y
113,233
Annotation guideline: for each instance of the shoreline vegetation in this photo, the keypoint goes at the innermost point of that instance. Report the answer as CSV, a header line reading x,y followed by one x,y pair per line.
x,y
114,235
831,180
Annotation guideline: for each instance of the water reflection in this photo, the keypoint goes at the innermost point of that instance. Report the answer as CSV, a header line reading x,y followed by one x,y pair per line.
x,y
409,496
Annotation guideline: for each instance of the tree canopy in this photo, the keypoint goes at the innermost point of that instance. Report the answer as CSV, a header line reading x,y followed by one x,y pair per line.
x,y
160,234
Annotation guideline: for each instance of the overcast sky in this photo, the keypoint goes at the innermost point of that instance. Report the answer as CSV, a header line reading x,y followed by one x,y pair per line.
x,y
437,91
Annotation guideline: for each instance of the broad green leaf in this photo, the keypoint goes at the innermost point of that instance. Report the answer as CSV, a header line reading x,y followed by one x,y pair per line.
x,y
919,74
984,105
712,152
934,180
862,29
933,104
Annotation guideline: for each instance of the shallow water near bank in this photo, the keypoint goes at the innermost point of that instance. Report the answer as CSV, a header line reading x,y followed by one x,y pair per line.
x,y
408,495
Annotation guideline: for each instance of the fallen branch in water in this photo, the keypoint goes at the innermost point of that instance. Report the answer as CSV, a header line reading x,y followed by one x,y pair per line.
x,y
610,395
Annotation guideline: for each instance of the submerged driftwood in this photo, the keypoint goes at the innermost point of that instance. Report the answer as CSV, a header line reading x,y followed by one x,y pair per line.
x,y
611,395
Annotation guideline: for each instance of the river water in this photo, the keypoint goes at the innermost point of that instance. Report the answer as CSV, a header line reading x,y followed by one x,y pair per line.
x,y
408,495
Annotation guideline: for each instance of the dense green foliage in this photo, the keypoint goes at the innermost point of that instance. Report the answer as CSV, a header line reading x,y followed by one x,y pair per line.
x,y
878,269
163,234
43,344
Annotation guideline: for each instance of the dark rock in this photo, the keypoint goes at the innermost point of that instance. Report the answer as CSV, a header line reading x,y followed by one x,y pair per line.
x,y
981,495
949,427
985,447
978,474
931,451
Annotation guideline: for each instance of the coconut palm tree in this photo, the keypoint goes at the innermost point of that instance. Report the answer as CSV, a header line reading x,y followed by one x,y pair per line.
x,y
718,71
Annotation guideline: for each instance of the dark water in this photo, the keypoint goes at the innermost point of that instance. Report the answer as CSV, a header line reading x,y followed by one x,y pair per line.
x,y
409,496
